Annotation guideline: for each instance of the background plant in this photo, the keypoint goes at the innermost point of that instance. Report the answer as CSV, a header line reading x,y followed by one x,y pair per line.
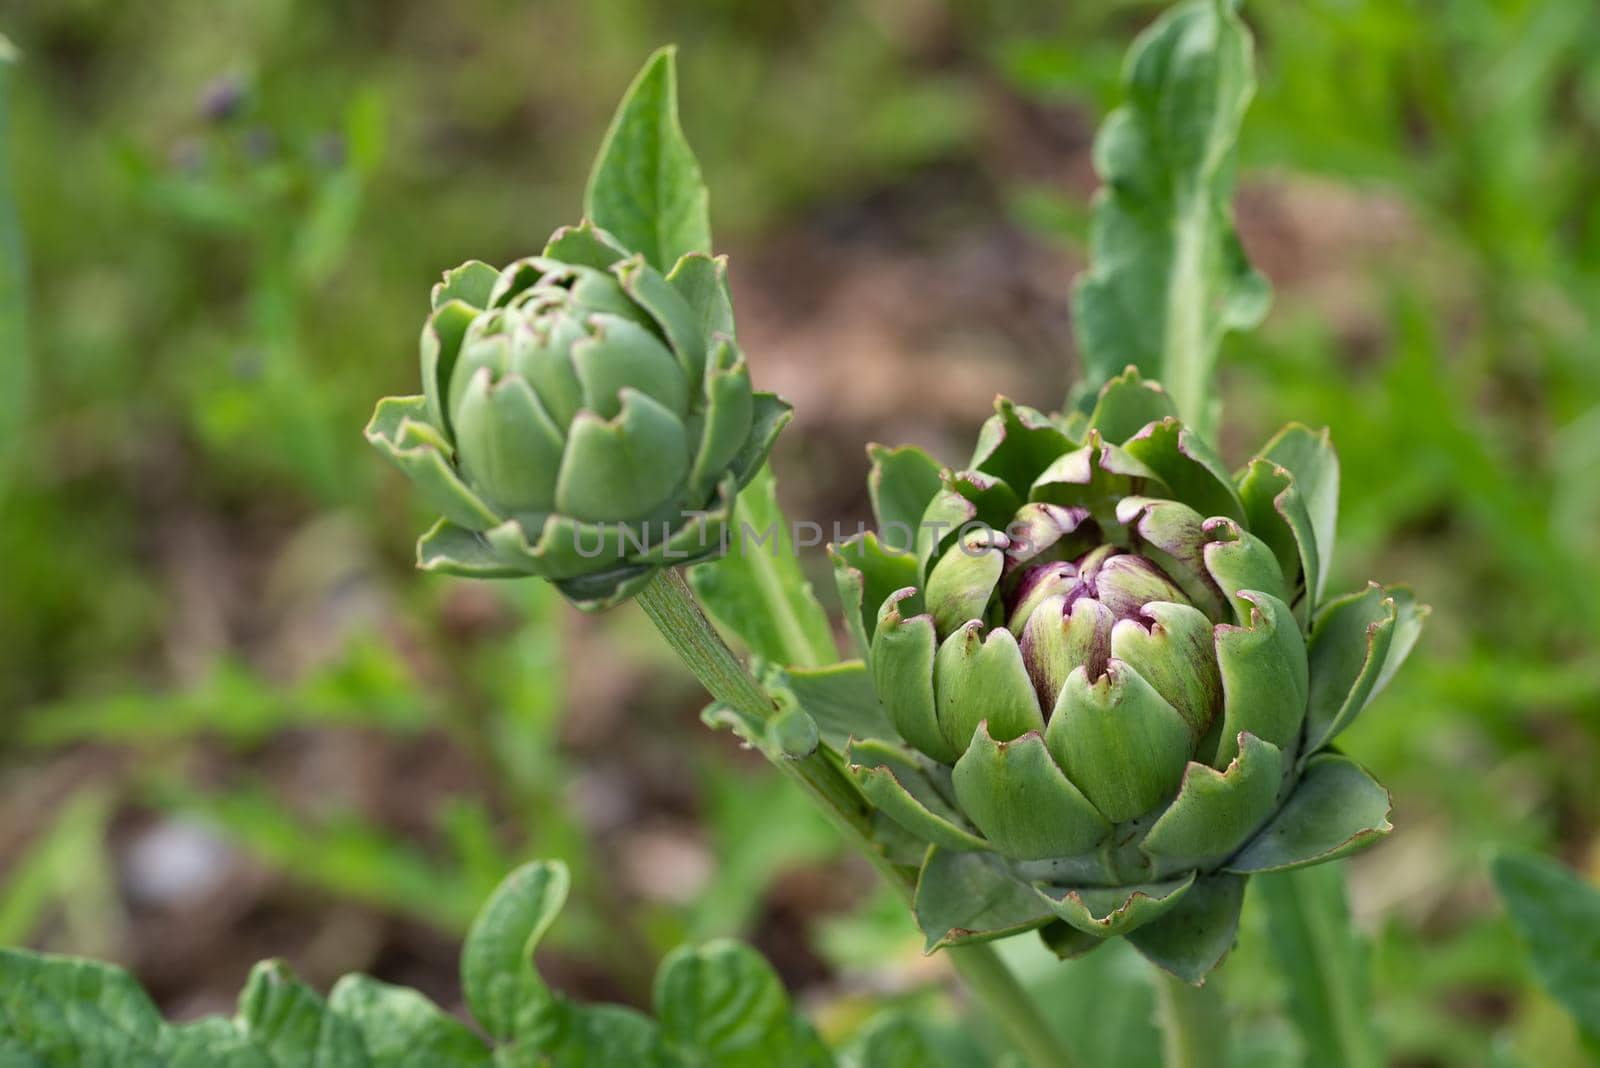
x,y
1412,178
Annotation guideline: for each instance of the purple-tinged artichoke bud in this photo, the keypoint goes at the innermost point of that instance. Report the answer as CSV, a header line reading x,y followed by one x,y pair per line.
x,y
1108,677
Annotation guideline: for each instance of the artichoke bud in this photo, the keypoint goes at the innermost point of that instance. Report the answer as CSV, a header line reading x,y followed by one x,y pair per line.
x,y
1122,667
590,418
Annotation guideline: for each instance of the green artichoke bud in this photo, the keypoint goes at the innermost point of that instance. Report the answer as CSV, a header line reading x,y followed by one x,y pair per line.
x,y
584,418
1111,677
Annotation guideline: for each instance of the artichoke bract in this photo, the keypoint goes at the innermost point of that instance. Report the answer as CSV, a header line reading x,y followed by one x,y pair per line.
x,y
1109,676
584,418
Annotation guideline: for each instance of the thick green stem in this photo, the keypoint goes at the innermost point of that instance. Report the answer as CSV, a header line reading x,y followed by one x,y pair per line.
x,y
1194,1023
671,606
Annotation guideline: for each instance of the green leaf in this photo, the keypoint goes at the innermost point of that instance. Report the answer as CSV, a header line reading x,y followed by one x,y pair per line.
x,y
1126,404
61,1012
1112,910
402,1029
501,986
893,1040
1558,915
1323,964
973,897
904,789
722,1006
758,590
901,483
14,367
1167,276
841,699
1310,459
70,1012
646,187
1336,809
292,1025
1192,938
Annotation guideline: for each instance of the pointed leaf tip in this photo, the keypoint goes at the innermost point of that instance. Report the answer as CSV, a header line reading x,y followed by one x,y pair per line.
x,y
646,188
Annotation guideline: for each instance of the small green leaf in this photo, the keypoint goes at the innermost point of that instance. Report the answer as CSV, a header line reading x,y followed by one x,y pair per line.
x,y
402,1029
69,1012
470,283
866,574
1309,458
901,483
1176,656
292,1025
508,446
645,188
1192,471
841,699
1335,810
893,1040
501,986
702,281
1195,934
902,788
1114,910
1558,915
1238,562
791,733
452,550
1127,404
961,582
591,1036
973,897
1016,443
722,1006
758,589
399,429
903,654
1167,276
1264,676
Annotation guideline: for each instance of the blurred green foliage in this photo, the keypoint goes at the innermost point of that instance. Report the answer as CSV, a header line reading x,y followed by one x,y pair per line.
x,y
232,214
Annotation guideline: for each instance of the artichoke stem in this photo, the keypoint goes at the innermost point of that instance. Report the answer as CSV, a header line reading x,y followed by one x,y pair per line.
x,y
670,605
1194,1022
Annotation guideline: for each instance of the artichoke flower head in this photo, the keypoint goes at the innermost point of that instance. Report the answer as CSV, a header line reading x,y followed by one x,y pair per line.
x,y
584,418
1108,677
